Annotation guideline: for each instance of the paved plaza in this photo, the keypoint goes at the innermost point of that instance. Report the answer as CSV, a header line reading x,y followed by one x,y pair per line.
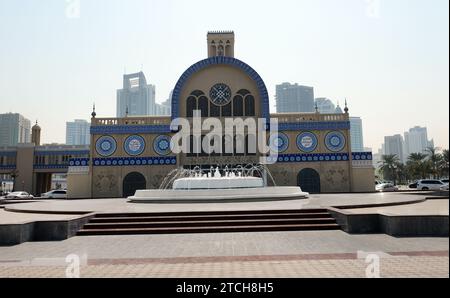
x,y
234,255
239,255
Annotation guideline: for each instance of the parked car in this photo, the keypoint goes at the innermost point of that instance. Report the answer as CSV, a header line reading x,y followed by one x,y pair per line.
x,y
413,185
430,184
19,195
444,187
55,194
386,187
445,181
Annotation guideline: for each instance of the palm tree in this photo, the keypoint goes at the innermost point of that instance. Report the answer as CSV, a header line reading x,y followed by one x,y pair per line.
x,y
418,166
444,164
388,166
402,173
434,158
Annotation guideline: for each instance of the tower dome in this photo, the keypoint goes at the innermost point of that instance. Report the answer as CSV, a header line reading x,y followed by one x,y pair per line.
x,y
36,134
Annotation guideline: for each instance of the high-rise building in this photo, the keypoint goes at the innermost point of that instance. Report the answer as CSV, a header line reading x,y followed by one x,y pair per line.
x,y
293,98
137,98
78,132
416,140
356,133
14,129
394,145
377,157
325,105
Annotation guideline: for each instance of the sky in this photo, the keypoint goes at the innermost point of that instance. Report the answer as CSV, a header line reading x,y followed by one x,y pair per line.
x,y
389,58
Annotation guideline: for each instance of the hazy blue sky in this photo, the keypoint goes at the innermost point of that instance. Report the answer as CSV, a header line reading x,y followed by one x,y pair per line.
x,y
388,57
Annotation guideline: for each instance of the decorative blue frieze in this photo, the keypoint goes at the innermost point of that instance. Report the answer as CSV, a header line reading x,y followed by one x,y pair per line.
x,y
134,161
279,142
161,145
264,95
335,141
7,167
68,152
106,146
130,129
325,157
46,167
362,156
134,145
8,153
325,125
79,162
307,142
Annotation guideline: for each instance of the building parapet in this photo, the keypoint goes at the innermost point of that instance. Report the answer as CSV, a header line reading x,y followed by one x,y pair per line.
x,y
309,117
131,121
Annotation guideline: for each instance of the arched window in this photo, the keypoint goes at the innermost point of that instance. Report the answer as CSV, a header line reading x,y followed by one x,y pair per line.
x,y
191,105
226,110
214,111
220,51
197,93
238,106
250,106
243,92
203,106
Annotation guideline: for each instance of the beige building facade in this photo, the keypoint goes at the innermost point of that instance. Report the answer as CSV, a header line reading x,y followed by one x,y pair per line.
x,y
313,149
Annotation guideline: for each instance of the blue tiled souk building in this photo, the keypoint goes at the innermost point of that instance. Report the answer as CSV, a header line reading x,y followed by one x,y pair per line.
x,y
131,153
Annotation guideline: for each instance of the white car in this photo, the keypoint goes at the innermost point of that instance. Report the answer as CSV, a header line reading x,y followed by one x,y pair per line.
x,y
23,195
55,194
429,184
386,187
444,188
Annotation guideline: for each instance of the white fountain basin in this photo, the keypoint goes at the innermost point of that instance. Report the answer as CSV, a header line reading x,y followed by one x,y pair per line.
x,y
194,183
248,194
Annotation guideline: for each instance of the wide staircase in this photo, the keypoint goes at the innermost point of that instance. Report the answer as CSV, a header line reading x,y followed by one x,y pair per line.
x,y
209,222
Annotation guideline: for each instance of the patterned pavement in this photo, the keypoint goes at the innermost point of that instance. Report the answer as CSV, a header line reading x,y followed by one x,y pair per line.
x,y
393,266
239,255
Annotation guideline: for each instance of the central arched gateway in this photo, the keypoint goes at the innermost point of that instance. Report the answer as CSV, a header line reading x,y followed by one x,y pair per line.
x,y
309,180
132,182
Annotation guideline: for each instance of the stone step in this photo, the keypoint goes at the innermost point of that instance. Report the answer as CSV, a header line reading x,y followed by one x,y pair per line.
x,y
209,229
206,223
203,213
133,218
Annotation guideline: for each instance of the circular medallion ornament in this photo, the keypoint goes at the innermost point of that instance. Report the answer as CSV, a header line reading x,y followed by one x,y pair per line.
x,y
161,145
134,145
335,141
307,142
106,146
220,94
279,142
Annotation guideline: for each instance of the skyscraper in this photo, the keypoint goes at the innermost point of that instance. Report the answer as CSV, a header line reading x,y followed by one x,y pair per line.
x,y
14,129
356,132
166,107
77,132
137,98
393,145
292,98
416,140
325,105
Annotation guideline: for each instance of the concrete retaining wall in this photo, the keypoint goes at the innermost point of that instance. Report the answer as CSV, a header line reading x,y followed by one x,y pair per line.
x,y
14,234
398,226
